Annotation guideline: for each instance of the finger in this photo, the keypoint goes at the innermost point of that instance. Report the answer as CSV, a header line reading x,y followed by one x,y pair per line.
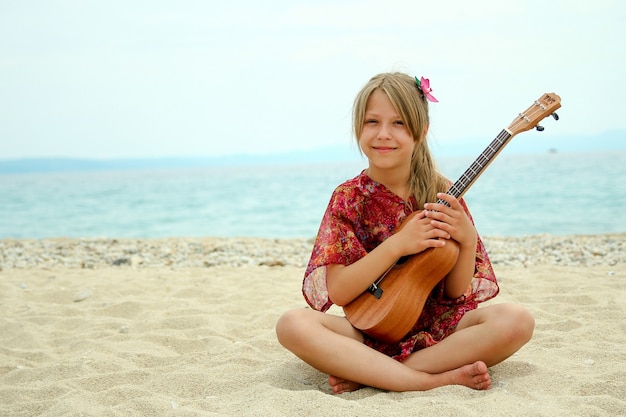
x,y
439,216
421,218
434,243
444,230
440,232
431,208
450,199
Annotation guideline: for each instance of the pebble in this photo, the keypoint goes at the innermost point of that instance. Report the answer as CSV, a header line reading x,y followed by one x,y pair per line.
x,y
82,295
571,250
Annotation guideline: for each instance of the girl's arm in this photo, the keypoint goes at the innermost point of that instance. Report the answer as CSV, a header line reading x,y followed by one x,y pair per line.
x,y
345,283
455,221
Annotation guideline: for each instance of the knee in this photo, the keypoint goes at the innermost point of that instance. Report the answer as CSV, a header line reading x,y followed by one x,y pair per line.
x,y
517,324
290,326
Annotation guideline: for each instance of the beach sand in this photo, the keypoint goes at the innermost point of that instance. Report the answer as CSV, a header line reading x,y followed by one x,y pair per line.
x,y
148,333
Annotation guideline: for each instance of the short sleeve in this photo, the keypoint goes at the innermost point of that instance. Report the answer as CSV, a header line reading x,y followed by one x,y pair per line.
x,y
336,243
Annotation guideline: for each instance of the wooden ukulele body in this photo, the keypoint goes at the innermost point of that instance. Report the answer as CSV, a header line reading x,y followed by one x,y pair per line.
x,y
405,289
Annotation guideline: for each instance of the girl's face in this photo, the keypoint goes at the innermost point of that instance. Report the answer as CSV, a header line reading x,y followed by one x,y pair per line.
x,y
385,139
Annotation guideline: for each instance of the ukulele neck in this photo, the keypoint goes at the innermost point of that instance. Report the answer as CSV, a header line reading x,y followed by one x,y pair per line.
x,y
478,166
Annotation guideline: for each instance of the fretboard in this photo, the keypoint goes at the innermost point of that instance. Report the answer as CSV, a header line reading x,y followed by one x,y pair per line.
x,y
478,166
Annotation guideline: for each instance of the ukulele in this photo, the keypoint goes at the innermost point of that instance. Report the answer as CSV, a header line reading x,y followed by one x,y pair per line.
x,y
390,307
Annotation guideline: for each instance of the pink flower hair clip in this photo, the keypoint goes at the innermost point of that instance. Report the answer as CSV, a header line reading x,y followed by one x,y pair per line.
x,y
424,86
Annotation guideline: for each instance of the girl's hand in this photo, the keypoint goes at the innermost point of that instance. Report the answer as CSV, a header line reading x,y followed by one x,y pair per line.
x,y
417,234
452,220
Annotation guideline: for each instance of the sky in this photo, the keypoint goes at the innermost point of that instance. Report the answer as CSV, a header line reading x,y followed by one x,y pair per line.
x,y
131,79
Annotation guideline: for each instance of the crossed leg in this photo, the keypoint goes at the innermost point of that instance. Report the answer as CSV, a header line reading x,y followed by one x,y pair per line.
x,y
330,344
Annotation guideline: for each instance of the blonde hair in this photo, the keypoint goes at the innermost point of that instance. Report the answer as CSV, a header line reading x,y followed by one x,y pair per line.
x,y
424,179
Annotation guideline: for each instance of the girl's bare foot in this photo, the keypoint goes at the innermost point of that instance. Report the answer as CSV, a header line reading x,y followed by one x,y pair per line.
x,y
473,376
339,385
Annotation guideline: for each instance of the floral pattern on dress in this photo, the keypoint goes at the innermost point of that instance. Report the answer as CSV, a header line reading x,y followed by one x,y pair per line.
x,y
361,214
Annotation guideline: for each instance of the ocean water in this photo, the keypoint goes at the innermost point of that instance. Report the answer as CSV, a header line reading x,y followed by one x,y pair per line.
x,y
560,193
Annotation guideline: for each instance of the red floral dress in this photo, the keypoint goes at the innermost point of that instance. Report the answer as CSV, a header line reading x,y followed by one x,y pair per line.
x,y
360,215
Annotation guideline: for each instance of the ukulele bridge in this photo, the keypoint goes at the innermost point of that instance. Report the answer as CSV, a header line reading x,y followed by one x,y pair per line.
x,y
374,288
376,291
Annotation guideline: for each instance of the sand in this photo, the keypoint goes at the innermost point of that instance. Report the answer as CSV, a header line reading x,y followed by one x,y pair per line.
x,y
199,341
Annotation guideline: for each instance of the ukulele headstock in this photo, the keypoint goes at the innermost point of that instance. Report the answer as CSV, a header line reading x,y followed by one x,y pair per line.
x,y
544,106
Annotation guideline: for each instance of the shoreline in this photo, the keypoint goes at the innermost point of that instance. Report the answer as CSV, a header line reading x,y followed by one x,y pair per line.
x,y
207,252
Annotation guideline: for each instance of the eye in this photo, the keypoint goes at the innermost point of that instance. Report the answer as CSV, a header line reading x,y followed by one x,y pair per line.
x,y
399,122
370,121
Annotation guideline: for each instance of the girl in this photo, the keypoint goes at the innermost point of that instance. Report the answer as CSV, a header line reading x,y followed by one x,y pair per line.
x,y
452,342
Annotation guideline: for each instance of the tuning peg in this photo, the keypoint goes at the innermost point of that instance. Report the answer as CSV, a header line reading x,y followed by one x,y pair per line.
x,y
556,116
539,128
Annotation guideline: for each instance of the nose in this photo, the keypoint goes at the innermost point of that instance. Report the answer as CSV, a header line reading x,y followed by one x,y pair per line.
x,y
384,132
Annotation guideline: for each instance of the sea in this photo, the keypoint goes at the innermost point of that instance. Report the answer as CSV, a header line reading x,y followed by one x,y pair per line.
x,y
517,195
